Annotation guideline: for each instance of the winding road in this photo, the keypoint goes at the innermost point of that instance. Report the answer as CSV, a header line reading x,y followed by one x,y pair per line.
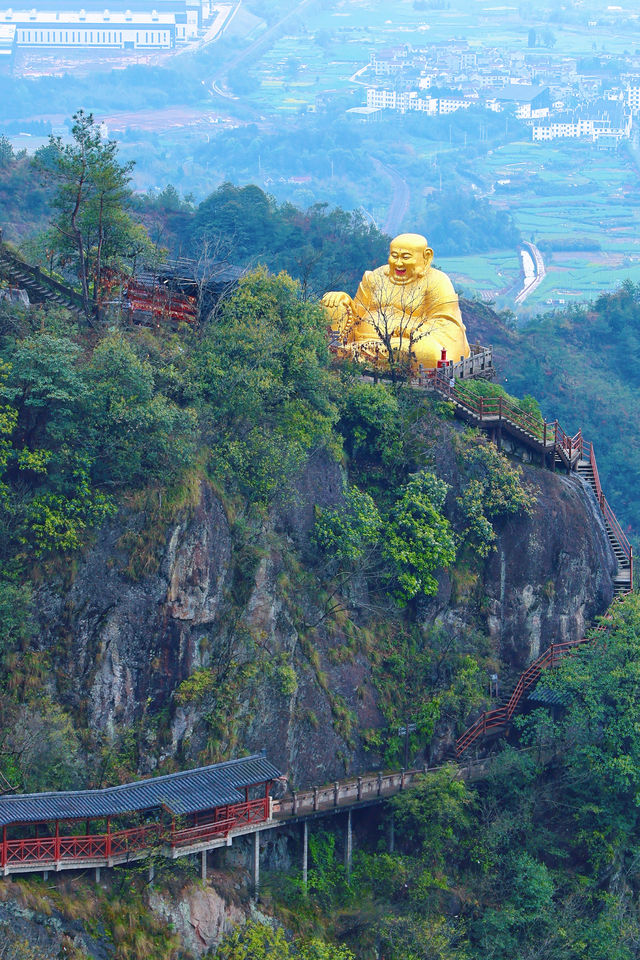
x,y
531,256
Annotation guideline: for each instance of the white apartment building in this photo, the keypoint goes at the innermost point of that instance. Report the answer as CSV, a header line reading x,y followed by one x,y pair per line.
x,y
633,94
592,124
452,104
402,101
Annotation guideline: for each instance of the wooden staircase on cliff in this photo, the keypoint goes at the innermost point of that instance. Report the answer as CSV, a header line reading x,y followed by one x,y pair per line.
x,y
588,470
556,450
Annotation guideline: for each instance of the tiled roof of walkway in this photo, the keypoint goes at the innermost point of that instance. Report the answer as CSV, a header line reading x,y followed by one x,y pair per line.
x,y
186,792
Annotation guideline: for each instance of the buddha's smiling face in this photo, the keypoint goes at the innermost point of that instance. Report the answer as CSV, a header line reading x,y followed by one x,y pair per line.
x,y
408,258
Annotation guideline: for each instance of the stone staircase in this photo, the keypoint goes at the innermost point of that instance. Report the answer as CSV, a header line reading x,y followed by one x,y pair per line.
x,y
40,287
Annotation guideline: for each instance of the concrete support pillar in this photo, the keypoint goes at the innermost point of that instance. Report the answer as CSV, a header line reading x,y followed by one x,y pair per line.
x,y
348,853
256,864
392,835
152,872
45,874
97,874
203,865
305,854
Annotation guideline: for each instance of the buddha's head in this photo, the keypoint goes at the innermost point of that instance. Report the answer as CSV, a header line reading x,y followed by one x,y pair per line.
x,y
409,257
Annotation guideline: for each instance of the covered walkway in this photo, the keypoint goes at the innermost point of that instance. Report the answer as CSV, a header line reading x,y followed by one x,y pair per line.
x,y
175,814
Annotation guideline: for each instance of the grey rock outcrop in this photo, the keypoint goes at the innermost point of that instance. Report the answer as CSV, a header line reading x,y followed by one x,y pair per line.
x,y
131,644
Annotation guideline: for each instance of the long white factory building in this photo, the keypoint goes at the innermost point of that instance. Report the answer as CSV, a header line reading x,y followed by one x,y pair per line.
x,y
124,24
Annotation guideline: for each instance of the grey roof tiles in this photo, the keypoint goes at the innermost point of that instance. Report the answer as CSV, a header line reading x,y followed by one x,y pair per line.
x,y
186,792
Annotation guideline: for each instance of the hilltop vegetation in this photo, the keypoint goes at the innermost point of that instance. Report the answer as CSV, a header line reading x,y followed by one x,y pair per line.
x,y
122,427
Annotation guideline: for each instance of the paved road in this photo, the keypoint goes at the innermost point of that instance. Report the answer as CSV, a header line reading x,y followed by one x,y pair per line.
x,y
540,272
396,217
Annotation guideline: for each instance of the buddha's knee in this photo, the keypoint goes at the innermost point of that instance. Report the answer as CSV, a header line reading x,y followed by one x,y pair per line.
x,y
428,352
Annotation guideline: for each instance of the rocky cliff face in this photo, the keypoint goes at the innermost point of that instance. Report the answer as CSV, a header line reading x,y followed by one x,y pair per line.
x,y
129,645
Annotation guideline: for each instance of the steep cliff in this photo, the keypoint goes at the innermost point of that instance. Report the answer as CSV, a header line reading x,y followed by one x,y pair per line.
x,y
199,665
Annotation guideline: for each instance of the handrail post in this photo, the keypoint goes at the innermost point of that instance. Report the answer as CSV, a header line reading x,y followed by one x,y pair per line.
x,y
481,408
544,434
108,839
3,856
56,843
500,408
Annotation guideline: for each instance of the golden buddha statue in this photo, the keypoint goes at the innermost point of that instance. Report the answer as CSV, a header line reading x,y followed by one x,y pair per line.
x,y
404,311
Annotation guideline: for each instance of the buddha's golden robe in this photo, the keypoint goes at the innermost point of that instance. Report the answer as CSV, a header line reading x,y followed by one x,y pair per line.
x,y
422,315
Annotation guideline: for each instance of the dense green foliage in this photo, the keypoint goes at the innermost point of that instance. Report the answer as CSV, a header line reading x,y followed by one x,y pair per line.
x,y
538,860
494,489
409,544
324,249
580,365
259,942
23,202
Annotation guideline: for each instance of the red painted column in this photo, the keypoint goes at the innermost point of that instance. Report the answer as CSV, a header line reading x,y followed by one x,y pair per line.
x,y
3,856
56,846
108,839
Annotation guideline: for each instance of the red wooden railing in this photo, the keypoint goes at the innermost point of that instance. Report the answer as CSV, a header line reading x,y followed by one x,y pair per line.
x,y
545,433
499,717
242,814
608,513
46,850
136,838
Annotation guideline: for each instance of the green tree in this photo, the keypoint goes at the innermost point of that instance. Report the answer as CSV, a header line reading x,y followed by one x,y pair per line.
x,y
418,538
256,941
349,535
91,194
262,370
135,434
